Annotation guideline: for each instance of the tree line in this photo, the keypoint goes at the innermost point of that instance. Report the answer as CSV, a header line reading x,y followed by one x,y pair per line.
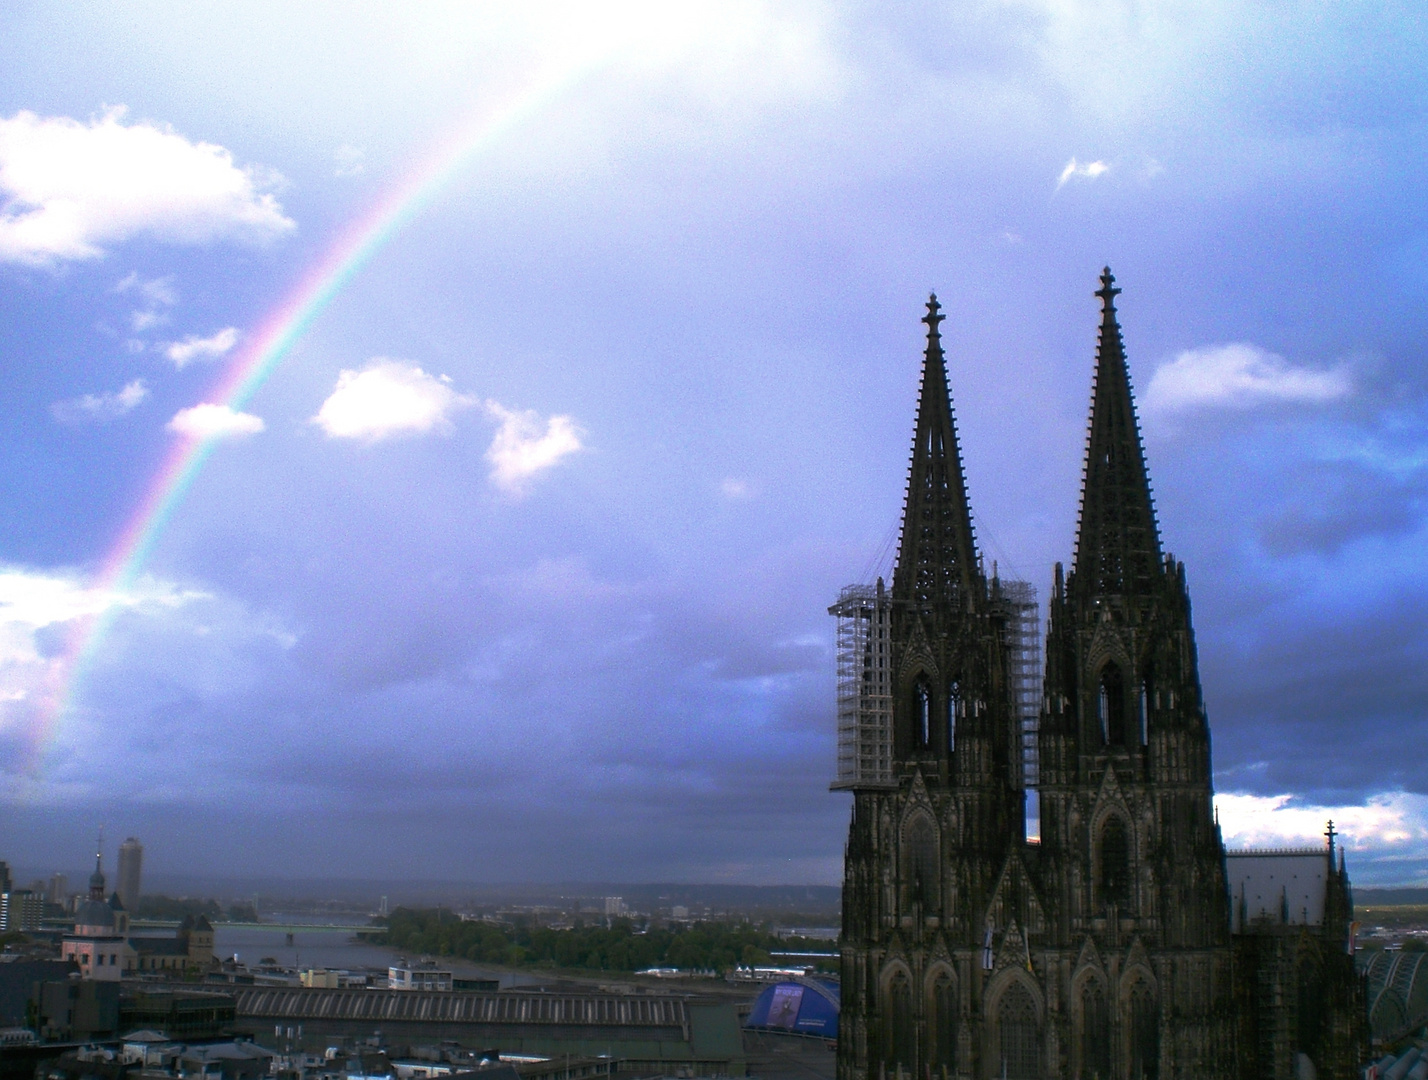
x,y
619,945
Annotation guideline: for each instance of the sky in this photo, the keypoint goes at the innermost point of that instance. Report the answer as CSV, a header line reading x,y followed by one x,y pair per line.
x,y
582,345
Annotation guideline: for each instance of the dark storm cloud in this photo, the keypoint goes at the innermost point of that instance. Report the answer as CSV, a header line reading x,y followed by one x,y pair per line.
x,y
717,270
1354,680
1334,503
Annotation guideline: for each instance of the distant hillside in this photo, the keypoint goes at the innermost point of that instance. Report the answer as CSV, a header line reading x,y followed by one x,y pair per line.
x,y
808,904
1370,897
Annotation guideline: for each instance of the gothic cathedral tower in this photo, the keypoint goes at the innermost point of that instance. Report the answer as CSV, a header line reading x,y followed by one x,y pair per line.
x,y
1131,863
934,829
1103,950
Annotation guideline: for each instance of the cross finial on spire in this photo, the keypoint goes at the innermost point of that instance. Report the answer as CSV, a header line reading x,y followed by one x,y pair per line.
x,y
1330,833
1108,291
934,314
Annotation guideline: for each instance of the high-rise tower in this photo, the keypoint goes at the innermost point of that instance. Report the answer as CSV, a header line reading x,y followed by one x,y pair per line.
x,y
131,866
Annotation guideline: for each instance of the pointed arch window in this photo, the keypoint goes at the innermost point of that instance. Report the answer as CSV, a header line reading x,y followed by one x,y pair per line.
x,y
954,698
1018,1036
901,1029
945,1022
922,714
1309,1013
922,864
1147,697
1115,870
1144,1031
1095,1032
1111,706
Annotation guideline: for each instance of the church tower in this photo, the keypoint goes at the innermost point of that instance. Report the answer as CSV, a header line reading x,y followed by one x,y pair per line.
x,y
931,834
1131,862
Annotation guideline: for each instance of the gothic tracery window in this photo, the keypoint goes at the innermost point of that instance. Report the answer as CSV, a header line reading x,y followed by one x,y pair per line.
x,y
1309,1011
1115,871
945,1021
922,865
1111,706
954,697
902,1037
1095,1033
1144,1031
922,714
1018,1035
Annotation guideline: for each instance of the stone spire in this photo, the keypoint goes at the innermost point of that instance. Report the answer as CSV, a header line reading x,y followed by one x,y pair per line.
x,y
1118,545
937,560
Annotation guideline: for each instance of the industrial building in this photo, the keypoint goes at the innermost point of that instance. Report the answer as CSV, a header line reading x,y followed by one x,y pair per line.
x,y
649,1033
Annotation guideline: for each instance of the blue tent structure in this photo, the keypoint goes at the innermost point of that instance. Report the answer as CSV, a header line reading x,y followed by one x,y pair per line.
x,y
801,1007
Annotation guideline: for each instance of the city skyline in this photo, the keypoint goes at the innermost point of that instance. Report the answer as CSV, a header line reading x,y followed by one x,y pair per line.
x,y
558,369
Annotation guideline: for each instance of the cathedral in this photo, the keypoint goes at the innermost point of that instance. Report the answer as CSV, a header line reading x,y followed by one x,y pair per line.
x,y
1124,941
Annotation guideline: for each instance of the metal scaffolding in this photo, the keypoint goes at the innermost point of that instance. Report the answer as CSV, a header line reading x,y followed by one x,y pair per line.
x,y
864,688
865,681
1024,657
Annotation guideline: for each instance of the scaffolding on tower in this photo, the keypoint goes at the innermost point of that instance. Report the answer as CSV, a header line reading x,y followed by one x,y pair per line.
x,y
1024,658
864,688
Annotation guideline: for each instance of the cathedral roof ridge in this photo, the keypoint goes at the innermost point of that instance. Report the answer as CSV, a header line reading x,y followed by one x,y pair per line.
x,y
1260,852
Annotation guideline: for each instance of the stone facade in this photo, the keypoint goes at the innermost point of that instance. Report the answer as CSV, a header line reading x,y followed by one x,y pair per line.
x,y
1106,948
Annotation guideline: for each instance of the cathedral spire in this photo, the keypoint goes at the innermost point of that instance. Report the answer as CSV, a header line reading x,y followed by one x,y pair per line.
x,y
1118,546
96,879
937,558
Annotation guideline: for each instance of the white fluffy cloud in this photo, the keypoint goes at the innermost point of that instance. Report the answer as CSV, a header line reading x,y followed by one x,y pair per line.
x,y
1240,376
388,397
68,189
207,421
1076,171
392,397
194,347
525,446
100,407
1386,823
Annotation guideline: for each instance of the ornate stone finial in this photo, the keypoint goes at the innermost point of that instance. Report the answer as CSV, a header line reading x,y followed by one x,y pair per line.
x,y
1330,833
1108,291
934,314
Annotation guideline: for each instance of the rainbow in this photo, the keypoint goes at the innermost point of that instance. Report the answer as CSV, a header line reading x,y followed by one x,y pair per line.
x,y
263,350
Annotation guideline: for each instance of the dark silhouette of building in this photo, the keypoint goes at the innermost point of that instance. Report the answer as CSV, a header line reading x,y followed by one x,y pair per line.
x,y
1109,948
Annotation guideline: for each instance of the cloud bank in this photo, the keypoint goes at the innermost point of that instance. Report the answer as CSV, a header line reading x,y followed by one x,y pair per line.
x,y
1386,828
34,604
71,189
